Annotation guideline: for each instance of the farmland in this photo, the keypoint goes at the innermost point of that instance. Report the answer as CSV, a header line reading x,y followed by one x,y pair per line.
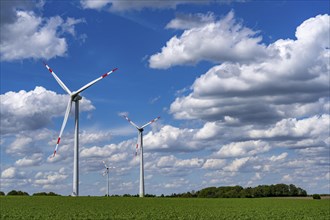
x,y
27,207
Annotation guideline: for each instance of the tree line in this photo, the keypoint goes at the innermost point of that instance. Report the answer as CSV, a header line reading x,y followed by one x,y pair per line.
x,y
277,190
21,193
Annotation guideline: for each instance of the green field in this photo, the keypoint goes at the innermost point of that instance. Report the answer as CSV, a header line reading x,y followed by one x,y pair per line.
x,y
43,207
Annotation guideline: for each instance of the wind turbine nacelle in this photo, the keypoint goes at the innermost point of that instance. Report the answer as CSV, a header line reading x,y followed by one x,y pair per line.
x,y
76,98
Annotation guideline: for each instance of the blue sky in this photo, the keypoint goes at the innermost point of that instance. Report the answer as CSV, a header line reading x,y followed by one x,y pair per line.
x,y
242,88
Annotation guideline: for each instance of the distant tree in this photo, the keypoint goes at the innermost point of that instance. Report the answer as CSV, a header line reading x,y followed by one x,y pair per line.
x,y
209,192
53,194
316,196
249,192
45,194
12,193
17,193
173,195
149,195
301,192
293,190
2,193
40,194
186,195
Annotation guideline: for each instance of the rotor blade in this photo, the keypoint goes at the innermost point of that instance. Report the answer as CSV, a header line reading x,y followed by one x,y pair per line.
x,y
152,121
105,164
58,80
104,173
68,109
93,82
137,144
132,123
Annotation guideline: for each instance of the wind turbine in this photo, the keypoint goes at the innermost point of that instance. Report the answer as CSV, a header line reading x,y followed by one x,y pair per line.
x,y
107,170
140,143
74,97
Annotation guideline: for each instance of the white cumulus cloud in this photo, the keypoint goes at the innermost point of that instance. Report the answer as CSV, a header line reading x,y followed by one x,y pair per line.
x,y
33,160
291,83
218,41
314,127
129,5
239,149
31,110
12,173
45,36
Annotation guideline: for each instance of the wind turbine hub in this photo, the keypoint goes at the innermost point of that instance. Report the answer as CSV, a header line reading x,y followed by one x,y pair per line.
x,y
76,98
140,129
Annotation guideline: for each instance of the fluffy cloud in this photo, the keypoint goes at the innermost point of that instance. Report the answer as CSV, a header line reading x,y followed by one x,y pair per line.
x,y
12,173
237,164
92,137
51,179
172,161
45,36
114,5
31,110
8,173
176,183
170,138
107,150
34,160
218,41
189,21
316,127
94,4
247,148
21,146
209,130
214,164
291,83
279,157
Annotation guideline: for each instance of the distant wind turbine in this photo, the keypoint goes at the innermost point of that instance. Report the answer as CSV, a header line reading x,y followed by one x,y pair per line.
x,y
106,172
140,143
74,97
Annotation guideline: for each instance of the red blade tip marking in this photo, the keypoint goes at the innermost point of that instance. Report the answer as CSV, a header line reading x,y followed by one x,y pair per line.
x,y
58,140
114,69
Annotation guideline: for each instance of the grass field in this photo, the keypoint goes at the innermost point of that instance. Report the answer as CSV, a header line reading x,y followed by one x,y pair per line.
x,y
17,207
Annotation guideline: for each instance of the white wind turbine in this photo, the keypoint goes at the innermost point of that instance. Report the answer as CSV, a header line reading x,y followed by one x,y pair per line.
x,y
106,172
140,143
74,97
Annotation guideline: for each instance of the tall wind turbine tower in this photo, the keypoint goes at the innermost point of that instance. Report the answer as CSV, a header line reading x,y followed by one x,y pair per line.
x,y
74,97
106,172
140,144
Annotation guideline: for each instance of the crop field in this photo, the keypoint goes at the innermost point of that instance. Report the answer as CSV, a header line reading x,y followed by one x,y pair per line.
x,y
33,207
